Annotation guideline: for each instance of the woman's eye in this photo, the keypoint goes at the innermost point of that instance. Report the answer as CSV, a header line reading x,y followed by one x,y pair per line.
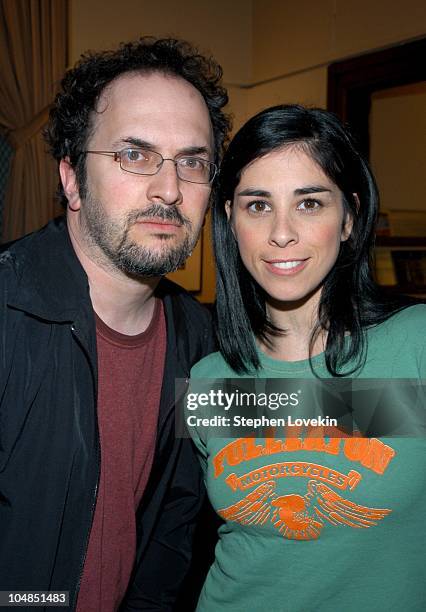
x,y
309,205
259,207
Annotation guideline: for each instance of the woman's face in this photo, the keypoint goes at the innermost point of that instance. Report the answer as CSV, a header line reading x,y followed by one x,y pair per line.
x,y
288,219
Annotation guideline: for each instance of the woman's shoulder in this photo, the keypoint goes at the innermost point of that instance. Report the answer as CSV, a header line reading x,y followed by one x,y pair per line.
x,y
212,366
410,319
397,346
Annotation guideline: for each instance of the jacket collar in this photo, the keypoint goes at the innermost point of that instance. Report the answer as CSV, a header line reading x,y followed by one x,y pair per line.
x,y
52,283
54,286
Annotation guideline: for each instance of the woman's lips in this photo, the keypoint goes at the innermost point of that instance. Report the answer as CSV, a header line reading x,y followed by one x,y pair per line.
x,y
286,267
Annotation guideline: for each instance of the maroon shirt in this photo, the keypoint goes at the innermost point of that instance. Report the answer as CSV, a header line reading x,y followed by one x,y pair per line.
x,y
130,377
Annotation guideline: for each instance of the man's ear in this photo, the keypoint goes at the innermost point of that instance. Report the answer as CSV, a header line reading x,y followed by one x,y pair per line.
x,y
69,184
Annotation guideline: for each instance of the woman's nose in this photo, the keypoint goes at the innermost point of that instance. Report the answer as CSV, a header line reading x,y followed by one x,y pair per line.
x,y
283,231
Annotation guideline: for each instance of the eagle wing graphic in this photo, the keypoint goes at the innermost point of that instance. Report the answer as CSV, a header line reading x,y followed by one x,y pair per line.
x,y
301,517
254,509
330,506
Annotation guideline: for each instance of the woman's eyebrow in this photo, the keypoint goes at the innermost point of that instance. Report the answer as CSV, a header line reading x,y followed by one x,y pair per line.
x,y
260,193
311,189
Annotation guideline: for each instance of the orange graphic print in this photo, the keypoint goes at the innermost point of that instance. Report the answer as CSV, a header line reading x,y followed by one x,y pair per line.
x,y
294,469
368,452
299,517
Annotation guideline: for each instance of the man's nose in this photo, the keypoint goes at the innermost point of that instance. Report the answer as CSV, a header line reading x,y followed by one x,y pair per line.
x,y
165,185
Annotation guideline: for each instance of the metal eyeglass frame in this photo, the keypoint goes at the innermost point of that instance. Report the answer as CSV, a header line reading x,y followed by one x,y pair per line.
x,y
117,158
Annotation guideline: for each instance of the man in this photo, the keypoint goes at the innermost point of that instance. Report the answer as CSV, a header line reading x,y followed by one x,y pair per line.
x,y
97,497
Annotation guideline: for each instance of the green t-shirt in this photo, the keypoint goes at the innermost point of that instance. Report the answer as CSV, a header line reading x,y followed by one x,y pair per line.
x,y
331,526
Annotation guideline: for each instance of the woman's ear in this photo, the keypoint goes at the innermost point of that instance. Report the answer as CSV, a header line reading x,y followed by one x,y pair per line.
x,y
347,226
228,210
348,220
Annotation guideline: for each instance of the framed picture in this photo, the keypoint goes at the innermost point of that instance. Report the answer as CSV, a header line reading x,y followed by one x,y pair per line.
x,y
189,275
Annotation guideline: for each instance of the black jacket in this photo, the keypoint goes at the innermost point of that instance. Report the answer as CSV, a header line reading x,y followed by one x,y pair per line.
x,y
49,443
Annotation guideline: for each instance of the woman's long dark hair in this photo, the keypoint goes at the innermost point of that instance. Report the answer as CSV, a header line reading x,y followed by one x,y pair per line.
x,y
350,299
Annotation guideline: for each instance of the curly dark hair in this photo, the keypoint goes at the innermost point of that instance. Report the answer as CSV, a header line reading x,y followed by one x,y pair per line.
x,y
70,119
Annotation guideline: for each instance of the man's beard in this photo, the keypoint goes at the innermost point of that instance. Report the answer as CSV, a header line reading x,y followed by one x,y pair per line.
x,y
112,237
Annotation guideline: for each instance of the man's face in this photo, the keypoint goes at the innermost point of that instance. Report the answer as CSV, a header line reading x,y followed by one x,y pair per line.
x,y
145,225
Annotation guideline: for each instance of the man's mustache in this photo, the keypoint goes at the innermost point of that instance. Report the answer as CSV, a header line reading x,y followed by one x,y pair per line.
x,y
165,213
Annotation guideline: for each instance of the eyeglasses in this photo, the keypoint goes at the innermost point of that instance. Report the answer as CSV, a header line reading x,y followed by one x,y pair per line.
x,y
143,161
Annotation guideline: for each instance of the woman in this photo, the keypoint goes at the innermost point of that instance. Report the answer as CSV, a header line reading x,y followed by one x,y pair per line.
x,y
324,524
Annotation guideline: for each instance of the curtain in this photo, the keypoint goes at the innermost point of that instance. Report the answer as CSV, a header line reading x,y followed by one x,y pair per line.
x,y
5,157
33,54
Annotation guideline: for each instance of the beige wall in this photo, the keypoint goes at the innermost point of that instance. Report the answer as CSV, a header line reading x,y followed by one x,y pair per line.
x,y
272,51
398,146
294,42
307,87
220,27
291,36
